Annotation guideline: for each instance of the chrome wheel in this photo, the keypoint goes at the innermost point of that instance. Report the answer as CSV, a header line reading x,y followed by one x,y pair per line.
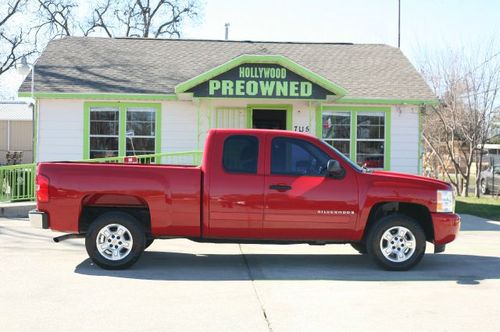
x,y
397,244
114,242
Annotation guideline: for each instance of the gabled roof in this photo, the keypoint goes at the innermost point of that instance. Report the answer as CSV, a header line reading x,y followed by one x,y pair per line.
x,y
157,66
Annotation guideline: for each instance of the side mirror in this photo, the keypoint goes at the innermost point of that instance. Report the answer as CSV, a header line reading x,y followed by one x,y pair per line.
x,y
334,170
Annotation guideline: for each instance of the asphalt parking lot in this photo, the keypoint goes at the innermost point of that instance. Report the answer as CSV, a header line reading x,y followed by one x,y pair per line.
x,y
181,285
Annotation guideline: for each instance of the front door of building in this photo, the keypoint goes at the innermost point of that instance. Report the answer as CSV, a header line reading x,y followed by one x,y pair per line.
x,y
269,119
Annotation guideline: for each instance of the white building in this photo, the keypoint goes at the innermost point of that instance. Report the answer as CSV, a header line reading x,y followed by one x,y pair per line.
x,y
16,132
99,97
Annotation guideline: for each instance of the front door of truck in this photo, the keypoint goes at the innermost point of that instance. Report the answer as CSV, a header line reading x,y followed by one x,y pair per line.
x,y
300,201
236,188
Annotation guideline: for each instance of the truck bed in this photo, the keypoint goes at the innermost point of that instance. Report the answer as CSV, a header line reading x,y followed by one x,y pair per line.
x,y
171,194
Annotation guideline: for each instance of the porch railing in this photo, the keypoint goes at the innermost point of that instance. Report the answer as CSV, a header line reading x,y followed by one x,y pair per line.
x,y
17,182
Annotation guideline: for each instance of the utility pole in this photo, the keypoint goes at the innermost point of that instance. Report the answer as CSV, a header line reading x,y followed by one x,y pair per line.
x,y
227,31
399,23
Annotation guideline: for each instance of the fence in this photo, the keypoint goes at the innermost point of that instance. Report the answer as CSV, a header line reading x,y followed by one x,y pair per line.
x,y
17,182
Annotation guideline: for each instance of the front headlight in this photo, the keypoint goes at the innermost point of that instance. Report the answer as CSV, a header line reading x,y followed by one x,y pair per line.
x,y
445,201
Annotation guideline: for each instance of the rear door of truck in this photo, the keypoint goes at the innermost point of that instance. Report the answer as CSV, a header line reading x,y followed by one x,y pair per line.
x,y
235,185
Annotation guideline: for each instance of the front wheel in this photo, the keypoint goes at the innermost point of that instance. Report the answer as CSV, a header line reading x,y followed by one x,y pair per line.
x,y
115,240
396,242
359,247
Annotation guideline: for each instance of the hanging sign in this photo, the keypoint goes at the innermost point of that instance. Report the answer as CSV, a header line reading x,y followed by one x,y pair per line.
x,y
260,81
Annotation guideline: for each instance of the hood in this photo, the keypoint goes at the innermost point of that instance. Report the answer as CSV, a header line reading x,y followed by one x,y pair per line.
x,y
404,177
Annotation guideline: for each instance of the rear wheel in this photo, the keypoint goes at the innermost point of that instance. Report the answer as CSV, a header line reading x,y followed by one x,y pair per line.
x,y
396,242
115,240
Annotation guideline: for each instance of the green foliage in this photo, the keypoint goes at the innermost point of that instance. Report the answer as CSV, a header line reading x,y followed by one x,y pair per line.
x,y
484,207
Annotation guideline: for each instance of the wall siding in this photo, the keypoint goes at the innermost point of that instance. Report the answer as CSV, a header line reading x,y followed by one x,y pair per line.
x,y
179,126
404,139
185,125
60,130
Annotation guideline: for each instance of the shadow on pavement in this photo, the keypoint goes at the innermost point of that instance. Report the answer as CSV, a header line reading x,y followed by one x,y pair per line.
x,y
464,269
473,223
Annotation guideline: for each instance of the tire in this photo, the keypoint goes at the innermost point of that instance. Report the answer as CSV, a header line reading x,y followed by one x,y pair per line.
x,y
149,241
392,250
484,187
359,247
117,229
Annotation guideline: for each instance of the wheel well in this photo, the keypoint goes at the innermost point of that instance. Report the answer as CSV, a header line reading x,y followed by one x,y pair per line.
x,y
90,213
416,211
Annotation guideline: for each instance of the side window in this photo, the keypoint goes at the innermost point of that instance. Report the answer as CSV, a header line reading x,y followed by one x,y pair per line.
x,y
240,154
297,157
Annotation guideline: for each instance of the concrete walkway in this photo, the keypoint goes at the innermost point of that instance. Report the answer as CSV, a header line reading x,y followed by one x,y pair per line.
x,y
180,285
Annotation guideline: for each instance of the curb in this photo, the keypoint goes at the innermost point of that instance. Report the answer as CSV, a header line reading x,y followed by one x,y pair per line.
x,y
16,210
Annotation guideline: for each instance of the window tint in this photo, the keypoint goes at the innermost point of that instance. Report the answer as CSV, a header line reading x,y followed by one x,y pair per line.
x,y
241,154
297,157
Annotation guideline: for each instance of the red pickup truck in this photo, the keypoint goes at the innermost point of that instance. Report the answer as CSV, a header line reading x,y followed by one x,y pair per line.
x,y
253,186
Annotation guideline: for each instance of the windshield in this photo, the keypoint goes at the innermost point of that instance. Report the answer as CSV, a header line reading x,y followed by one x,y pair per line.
x,y
341,155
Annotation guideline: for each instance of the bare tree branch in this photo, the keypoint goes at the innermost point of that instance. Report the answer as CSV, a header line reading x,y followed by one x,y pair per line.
x,y
455,132
12,39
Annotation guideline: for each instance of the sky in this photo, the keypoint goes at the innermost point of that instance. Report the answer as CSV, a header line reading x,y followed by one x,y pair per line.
x,y
428,27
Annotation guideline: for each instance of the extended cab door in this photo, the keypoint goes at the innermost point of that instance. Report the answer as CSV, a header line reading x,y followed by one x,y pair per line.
x,y
301,202
235,186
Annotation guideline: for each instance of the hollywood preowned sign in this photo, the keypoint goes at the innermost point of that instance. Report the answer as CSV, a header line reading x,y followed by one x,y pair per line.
x,y
260,81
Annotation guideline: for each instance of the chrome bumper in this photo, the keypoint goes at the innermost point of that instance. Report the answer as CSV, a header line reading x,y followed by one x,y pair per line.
x,y
38,219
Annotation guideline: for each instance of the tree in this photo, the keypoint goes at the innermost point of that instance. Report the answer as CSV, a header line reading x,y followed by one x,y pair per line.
x,y
456,130
12,39
120,18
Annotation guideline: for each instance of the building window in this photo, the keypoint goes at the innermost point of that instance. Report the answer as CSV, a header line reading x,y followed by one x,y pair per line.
x,y
121,129
140,131
370,139
337,130
360,134
104,132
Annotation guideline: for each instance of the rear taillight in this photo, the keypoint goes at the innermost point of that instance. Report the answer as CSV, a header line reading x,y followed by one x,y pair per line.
x,y
42,188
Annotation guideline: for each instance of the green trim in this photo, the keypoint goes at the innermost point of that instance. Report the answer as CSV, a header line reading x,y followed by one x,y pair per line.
x,y
355,108
122,109
382,101
274,59
158,126
419,167
86,131
353,147
198,128
287,107
100,96
122,131
354,132
388,138
319,122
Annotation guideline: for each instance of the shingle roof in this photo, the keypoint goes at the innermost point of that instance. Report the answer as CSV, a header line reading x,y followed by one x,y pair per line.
x,y
156,66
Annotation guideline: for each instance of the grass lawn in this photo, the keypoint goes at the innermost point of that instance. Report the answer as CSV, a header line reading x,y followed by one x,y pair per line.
x,y
484,207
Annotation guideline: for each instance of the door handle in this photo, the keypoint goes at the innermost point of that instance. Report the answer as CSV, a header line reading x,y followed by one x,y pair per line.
x,y
280,187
